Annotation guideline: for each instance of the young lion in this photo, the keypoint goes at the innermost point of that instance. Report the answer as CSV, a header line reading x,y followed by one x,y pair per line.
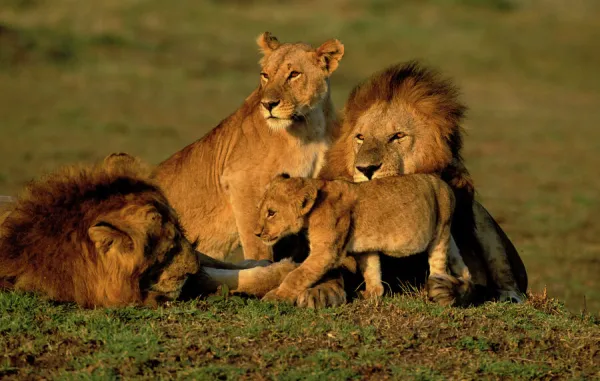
x,y
285,125
401,216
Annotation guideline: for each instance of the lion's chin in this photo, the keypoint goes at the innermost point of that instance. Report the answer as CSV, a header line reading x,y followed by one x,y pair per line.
x,y
278,123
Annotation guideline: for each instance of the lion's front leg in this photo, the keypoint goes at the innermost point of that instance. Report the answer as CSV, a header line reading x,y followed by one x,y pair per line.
x,y
329,292
246,214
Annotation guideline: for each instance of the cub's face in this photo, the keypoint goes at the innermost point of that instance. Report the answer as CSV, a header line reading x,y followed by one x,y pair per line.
x,y
294,78
279,211
144,241
390,140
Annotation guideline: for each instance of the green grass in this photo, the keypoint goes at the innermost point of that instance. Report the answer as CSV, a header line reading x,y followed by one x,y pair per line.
x,y
231,338
79,80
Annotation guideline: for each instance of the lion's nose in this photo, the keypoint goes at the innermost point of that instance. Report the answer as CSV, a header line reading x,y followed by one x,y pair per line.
x,y
257,234
270,105
368,171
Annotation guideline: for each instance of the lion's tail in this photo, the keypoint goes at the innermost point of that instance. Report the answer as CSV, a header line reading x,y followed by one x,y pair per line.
x,y
256,281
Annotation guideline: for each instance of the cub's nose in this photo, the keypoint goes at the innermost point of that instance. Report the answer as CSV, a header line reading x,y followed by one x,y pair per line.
x,y
257,234
369,171
270,105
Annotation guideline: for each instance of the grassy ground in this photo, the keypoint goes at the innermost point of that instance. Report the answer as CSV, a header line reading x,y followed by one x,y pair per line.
x,y
79,80
399,338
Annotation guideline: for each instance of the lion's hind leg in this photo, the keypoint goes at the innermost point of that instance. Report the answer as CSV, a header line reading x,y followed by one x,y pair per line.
x,y
442,287
370,267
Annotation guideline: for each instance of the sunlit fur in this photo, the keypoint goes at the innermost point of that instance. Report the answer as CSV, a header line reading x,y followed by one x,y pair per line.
x,y
221,177
407,119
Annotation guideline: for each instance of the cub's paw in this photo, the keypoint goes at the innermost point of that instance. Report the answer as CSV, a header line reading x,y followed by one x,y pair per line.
x,y
277,296
373,292
510,296
328,294
251,263
441,289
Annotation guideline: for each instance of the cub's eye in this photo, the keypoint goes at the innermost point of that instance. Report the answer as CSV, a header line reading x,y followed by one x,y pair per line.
x,y
294,74
397,136
359,138
264,76
270,213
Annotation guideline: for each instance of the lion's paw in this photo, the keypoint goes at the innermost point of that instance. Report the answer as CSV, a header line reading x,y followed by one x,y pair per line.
x,y
321,296
441,289
510,296
277,296
373,292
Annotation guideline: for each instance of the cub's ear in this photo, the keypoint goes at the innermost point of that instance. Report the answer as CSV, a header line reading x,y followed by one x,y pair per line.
x,y
105,236
267,42
329,54
309,196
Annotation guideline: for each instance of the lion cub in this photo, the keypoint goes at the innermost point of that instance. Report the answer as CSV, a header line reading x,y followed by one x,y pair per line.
x,y
400,216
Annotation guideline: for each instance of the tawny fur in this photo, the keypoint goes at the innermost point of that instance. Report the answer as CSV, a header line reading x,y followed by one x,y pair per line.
x,y
400,215
105,235
285,125
407,119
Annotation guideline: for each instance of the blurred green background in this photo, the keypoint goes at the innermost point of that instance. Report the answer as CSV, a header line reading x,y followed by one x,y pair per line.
x,y
81,79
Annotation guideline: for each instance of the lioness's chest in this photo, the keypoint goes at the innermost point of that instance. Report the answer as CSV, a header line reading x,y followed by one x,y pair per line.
x,y
303,161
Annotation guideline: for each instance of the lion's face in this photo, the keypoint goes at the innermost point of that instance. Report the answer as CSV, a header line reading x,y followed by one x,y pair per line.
x,y
294,78
283,208
389,139
145,242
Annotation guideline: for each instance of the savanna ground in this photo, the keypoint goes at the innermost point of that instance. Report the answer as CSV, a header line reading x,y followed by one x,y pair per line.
x,y
79,80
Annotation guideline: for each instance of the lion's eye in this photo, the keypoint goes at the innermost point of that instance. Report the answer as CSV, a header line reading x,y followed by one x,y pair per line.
x,y
294,74
264,76
270,213
359,138
397,136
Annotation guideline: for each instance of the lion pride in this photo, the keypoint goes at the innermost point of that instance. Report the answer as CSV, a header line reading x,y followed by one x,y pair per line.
x,y
285,125
407,119
105,235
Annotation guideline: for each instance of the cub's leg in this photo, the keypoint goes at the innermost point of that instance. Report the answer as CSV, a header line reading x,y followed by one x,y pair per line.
x,y
442,287
327,239
246,214
370,267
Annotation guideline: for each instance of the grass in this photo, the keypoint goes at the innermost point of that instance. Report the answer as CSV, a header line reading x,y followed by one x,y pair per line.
x,y
81,80
235,338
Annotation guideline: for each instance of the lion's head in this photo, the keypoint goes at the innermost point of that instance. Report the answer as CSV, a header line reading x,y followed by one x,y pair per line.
x,y
99,236
284,206
402,120
294,78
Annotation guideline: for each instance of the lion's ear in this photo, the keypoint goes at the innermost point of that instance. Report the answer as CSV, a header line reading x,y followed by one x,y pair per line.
x,y
267,42
329,54
309,196
105,236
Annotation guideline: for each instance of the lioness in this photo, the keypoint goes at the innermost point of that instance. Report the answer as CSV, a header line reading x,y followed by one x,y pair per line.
x,y
407,119
285,125
105,235
400,216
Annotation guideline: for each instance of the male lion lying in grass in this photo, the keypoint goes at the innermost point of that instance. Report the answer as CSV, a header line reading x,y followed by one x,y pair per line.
x,y
400,216
105,235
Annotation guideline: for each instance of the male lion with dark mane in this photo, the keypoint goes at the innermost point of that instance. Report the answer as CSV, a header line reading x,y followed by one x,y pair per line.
x,y
406,119
105,235
285,125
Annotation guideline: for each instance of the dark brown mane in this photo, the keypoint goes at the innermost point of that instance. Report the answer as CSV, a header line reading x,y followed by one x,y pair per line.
x,y
422,88
49,222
